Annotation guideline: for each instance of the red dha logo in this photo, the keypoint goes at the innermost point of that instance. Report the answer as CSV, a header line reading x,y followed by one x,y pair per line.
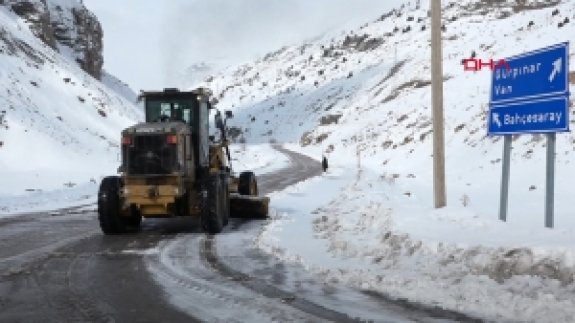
x,y
476,64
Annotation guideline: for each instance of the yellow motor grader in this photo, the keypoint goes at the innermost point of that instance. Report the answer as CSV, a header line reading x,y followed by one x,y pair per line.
x,y
171,166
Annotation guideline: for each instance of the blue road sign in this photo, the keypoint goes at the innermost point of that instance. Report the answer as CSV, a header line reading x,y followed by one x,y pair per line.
x,y
532,75
536,116
531,94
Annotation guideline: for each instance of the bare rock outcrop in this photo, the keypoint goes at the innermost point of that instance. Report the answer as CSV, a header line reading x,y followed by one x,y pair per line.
x,y
66,26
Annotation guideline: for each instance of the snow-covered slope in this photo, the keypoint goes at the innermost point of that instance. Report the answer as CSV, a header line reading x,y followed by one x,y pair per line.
x,y
59,126
363,97
119,87
66,26
368,90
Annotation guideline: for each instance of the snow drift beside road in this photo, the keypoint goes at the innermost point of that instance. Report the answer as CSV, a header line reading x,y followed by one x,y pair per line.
x,y
359,229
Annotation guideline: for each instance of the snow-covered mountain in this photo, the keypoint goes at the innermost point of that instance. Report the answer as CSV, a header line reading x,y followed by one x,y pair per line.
x,y
67,27
119,86
59,126
368,90
363,97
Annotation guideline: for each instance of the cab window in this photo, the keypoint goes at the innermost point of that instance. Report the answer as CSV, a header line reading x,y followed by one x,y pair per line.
x,y
162,110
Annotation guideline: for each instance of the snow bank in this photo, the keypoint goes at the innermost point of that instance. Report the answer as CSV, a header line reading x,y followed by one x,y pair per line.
x,y
357,228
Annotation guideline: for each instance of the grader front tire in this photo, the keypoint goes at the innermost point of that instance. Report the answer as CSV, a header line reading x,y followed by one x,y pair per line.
x,y
247,184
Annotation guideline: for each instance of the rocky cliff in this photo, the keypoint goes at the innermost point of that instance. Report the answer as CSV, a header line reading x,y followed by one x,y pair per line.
x,y
67,27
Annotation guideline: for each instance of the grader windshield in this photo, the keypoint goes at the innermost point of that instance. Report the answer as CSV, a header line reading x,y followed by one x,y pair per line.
x,y
171,109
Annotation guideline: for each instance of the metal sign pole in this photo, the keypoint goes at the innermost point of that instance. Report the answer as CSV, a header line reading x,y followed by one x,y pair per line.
x,y
550,181
506,170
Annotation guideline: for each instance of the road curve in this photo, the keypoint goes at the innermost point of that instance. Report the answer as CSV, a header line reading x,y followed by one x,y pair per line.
x,y
58,267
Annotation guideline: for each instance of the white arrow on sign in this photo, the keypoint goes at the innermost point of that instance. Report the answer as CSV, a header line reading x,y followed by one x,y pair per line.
x,y
496,120
556,69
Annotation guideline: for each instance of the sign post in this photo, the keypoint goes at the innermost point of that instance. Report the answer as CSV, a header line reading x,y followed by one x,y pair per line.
x,y
550,183
531,95
505,172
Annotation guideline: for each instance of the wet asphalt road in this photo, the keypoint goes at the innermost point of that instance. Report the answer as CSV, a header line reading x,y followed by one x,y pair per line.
x,y
58,267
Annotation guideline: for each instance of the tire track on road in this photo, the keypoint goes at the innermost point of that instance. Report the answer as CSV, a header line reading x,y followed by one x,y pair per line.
x,y
208,295
261,287
300,169
21,262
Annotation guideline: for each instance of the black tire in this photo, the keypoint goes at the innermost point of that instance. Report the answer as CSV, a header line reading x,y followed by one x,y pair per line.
x,y
213,219
248,184
226,199
111,221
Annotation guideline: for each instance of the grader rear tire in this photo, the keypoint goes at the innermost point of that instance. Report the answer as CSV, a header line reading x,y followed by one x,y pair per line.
x,y
213,217
226,199
111,221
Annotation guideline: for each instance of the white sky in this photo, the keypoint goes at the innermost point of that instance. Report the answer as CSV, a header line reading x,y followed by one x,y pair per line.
x,y
147,43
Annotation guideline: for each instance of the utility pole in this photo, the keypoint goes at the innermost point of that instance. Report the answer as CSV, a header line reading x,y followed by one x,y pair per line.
x,y
437,107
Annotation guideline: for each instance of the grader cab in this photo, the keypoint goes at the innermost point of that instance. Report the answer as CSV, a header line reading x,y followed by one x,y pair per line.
x,y
172,167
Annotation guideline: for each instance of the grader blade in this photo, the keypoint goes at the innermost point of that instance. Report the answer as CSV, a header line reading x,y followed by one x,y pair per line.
x,y
249,207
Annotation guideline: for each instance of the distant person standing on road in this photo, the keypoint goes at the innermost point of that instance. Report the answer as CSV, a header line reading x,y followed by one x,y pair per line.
x,y
324,163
